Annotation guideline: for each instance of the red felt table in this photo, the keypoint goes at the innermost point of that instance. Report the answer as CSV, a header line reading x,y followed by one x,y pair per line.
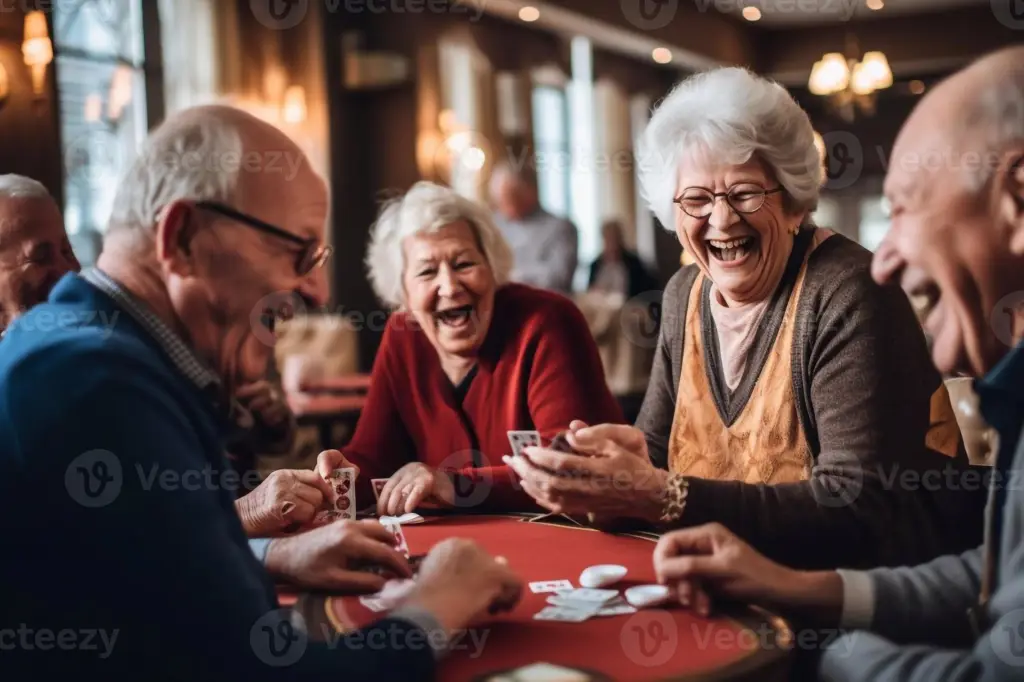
x,y
653,644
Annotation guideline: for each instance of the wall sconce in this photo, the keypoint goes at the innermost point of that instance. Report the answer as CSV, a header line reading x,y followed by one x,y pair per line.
x,y
37,49
5,87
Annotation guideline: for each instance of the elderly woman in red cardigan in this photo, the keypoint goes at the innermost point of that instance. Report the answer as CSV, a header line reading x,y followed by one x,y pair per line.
x,y
466,358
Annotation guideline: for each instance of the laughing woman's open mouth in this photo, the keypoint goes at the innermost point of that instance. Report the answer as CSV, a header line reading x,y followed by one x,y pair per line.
x,y
456,318
731,250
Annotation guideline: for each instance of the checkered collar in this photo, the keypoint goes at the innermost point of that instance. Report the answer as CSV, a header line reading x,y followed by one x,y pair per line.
x,y
184,359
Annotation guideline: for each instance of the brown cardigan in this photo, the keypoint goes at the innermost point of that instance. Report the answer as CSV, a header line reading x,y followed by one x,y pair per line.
x,y
863,382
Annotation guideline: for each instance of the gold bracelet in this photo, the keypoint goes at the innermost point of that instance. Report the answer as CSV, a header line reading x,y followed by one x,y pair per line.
x,y
674,499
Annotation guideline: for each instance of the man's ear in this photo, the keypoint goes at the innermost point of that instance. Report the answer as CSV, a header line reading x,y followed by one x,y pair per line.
x,y
175,229
1011,199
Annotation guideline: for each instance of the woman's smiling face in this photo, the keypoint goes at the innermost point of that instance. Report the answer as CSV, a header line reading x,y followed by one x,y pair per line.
x,y
744,253
449,288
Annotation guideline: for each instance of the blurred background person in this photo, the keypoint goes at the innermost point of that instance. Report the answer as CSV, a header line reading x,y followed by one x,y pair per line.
x,y
34,248
618,270
544,246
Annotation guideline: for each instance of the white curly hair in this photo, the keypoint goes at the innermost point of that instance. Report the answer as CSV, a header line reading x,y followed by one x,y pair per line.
x,y
425,209
728,114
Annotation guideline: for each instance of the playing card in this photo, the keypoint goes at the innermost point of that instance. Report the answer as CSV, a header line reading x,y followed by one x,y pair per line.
x,y
343,492
378,486
542,586
396,530
410,519
616,610
374,603
561,614
587,594
523,439
562,602
545,672
560,443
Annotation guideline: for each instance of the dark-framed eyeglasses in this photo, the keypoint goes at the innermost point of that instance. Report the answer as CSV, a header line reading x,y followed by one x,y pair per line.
x,y
744,197
314,254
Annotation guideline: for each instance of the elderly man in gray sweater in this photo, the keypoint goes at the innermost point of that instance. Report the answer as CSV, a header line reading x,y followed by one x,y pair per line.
x,y
956,186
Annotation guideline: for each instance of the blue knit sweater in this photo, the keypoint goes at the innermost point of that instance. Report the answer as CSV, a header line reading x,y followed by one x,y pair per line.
x,y
122,554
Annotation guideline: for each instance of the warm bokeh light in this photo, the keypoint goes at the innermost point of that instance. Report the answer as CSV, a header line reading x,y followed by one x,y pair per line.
x,y
917,87
294,110
751,13
662,55
829,75
529,13
473,158
876,4
37,49
448,122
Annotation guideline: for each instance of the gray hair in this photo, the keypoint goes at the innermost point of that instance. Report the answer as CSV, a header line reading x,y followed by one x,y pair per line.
x,y
194,158
425,209
20,187
999,112
729,114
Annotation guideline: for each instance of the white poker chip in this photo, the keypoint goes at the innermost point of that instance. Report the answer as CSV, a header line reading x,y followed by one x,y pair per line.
x,y
602,575
643,596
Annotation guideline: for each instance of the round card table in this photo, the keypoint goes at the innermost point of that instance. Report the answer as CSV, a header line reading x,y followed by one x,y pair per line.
x,y
652,644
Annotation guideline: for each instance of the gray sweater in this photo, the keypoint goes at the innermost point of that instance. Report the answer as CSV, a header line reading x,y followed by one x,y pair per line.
x,y
863,380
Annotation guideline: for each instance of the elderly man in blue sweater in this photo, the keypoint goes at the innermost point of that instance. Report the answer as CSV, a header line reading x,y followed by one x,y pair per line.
x,y
116,503
956,186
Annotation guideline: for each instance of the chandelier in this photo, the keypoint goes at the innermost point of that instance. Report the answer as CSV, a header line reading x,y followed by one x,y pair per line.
x,y
849,83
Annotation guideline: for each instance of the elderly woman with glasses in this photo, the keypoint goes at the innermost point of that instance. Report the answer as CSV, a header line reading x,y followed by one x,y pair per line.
x,y
789,392
466,358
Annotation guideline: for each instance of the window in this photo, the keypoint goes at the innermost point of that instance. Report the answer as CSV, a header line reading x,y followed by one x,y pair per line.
x,y
101,86
874,221
551,140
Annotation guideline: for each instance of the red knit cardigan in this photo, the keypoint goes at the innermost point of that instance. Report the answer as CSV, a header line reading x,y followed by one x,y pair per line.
x,y
538,368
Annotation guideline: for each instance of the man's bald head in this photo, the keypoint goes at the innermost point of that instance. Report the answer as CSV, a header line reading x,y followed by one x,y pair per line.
x,y
34,248
956,188
214,218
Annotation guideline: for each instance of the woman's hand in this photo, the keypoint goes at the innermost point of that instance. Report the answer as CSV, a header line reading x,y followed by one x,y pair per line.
x,y
329,460
609,475
412,484
286,499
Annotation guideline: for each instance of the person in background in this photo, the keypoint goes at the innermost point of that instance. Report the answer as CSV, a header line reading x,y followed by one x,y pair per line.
x,y
783,374
618,270
544,246
114,509
34,248
466,358
957,242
